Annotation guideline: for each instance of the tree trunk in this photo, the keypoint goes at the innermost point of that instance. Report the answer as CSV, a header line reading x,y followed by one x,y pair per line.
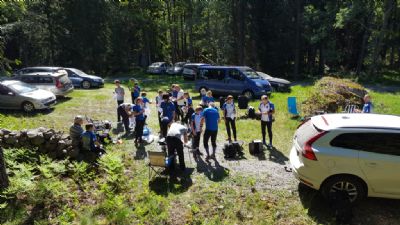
x,y
3,173
297,40
321,60
171,30
360,61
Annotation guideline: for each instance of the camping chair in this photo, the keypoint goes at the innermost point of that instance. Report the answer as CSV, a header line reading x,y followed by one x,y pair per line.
x,y
156,163
350,109
292,106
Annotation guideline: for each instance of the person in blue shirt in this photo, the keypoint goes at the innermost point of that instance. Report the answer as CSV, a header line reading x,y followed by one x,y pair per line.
x,y
266,109
89,141
207,99
367,108
211,119
188,108
138,112
167,109
136,92
146,106
196,128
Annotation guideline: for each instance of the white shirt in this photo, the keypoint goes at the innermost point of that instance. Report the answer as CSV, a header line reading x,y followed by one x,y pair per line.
x,y
264,108
230,110
197,121
177,130
182,101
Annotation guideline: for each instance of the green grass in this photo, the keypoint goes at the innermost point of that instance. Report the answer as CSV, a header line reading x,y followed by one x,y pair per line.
x,y
118,191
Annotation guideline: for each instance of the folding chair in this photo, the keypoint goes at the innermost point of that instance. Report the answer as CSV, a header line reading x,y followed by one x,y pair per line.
x,y
156,163
292,106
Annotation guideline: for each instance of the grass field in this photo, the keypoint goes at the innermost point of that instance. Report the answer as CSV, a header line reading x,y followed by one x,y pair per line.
x,y
118,191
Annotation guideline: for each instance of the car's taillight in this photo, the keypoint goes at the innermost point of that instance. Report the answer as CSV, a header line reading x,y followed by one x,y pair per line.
x,y
58,84
307,149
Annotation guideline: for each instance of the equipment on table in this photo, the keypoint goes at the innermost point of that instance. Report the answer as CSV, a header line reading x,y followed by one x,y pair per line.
x,y
243,102
251,112
292,106
255,147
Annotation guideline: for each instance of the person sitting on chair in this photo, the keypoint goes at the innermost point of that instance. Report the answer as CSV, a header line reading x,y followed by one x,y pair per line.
x,y
174,143
89,141
75,132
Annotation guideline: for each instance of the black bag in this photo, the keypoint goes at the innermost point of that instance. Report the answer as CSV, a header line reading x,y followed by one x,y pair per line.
x,y
251,112
221,102
243,102
238,148
229,151
255,147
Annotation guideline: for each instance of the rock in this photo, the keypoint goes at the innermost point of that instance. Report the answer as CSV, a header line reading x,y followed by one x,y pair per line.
x,y
11,140
47,135
61,145
5,131
38,140
54,139
1,133
64,137
73,153
32,133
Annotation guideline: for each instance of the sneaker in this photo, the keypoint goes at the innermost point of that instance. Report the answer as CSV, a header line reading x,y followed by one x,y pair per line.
x,y
213,155
264,143
208,158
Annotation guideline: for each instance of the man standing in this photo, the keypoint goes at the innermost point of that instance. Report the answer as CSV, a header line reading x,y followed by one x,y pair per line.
x,y
174,143
211,118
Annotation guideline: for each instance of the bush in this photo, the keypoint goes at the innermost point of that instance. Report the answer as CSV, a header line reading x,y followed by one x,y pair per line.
x,y
332,95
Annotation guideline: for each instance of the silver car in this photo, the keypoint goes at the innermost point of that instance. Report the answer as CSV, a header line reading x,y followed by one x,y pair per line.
x,y
18,95
56,82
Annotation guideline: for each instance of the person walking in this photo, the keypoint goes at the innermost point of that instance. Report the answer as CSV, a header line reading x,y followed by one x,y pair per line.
x,y
211,119
175,134
266,109
138,112
167,114
229,110
119,93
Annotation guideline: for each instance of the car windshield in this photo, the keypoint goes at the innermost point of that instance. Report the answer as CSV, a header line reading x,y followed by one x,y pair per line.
x,y
250,73
22,87
179,64
156,64
79,72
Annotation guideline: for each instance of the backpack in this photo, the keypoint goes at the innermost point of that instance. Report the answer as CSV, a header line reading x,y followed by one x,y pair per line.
x,y
251,112
232,150
243,102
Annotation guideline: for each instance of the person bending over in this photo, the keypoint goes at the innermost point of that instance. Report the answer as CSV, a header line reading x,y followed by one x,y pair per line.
x,y
125,111
174,143
211,119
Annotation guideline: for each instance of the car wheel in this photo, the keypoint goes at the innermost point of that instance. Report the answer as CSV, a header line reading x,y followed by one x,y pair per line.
x,y
28,107
354,187
86,84
249,95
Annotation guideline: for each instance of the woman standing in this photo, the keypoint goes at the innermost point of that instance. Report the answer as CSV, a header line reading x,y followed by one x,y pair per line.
x,y
230,116
266,109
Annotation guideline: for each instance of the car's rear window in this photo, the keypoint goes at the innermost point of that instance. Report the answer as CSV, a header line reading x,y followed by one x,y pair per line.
x,y
64,79
305,132
382,142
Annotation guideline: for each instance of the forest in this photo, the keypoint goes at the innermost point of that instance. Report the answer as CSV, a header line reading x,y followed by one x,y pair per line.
x,y
289,38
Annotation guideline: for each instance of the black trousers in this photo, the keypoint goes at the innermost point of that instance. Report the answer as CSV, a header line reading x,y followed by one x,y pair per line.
x,y
175,144
207,135
139,129
133,97
118,113
164,128
229,122
159,120
196,140
268,125
125,118
188,116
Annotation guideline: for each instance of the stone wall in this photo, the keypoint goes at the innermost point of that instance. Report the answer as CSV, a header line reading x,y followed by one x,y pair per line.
x,y
56,144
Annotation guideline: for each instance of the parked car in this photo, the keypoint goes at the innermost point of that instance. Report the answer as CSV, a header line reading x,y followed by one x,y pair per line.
x,y
356,153
176,69
232,80
277,84
190,70
158,68
38,69
83,80
56,82
18,95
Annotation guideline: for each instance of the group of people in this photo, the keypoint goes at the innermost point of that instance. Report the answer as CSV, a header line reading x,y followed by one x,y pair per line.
x,y
178,118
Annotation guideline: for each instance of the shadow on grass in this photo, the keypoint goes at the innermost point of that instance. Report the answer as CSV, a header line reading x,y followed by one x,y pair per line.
x,y
140,152
214,173
179,182
277,156
19,113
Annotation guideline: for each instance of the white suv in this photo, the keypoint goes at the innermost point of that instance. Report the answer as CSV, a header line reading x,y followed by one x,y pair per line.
x,y
356,153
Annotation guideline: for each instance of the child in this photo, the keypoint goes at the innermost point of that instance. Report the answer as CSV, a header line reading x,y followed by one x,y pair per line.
x,y
158,105
167,114
146,106
138,112
207,99
89,141
188,108
196,128
131,88
367,108
230,115
120,94
266,109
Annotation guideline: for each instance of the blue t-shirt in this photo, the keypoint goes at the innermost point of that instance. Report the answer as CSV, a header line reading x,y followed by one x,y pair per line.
x,y
136,91
138,109
88,139
207,99
168,109
145,100
211,116
175,94
189,101
367,108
